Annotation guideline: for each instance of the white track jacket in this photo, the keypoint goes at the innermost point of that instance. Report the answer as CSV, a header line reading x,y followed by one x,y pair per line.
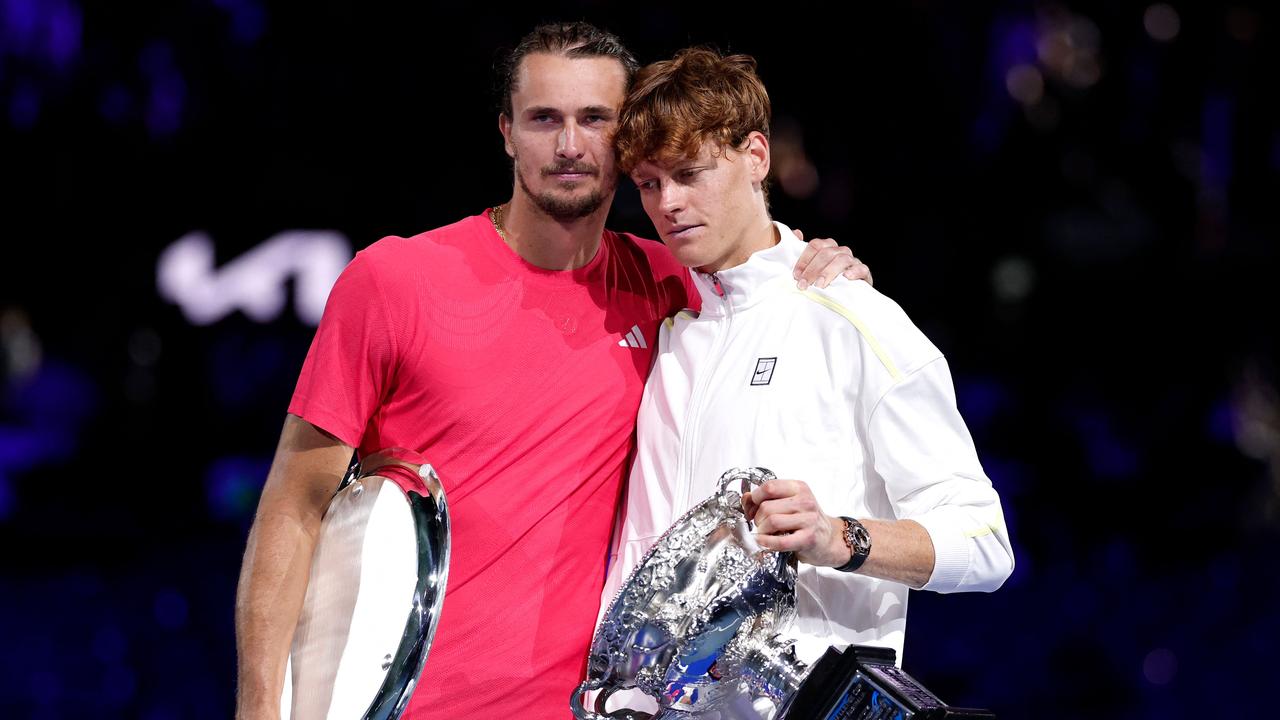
x,y
834,387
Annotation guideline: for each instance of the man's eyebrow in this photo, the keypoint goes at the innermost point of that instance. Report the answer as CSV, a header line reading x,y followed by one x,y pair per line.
x,y
541,110
604,110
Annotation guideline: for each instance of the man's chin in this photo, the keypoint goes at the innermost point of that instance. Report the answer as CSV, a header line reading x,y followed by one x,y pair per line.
x,y
573,206
687,256
573,200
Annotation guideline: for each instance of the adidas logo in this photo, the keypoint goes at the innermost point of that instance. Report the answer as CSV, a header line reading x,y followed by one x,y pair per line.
x,y
634,338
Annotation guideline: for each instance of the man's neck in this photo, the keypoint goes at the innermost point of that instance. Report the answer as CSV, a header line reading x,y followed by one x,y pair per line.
x,y
549,243
761,235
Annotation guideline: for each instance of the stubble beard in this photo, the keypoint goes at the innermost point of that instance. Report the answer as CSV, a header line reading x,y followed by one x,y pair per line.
x,y
561,208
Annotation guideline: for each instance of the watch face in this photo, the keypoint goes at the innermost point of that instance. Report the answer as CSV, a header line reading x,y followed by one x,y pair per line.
x,y
858,538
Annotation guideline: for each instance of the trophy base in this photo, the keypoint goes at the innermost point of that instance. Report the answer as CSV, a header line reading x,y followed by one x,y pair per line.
x,y
863,682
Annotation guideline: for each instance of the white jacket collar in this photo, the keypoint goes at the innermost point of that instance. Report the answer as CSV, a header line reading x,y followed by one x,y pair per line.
x,y
742,285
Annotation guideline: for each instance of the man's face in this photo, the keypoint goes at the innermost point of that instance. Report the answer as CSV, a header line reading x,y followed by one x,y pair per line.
x,y
705,208
564,111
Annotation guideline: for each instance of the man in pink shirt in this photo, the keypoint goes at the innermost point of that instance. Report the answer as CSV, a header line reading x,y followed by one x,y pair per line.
x,y
510,349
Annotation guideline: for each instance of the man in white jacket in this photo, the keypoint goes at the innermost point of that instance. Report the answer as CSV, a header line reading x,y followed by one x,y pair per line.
x,y
833,387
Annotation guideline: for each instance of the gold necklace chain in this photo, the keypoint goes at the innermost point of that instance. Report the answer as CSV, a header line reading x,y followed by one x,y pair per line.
x,y
495,215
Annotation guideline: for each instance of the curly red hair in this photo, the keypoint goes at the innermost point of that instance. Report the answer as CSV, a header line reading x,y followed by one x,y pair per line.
x,y
676,105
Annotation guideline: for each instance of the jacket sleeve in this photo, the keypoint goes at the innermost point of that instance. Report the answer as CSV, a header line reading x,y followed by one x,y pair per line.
x,y
923,451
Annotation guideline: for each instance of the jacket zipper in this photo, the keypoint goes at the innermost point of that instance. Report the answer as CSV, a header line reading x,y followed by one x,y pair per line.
x,y
694,413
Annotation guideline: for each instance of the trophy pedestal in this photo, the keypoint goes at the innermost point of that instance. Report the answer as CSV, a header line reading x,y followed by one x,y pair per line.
x,y
863,682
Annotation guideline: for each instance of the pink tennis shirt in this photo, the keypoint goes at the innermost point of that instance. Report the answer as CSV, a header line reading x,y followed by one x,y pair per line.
x,y
520,385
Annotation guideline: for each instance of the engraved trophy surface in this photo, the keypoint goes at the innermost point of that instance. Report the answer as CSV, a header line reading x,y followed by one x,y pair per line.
x,y
696,623
699,626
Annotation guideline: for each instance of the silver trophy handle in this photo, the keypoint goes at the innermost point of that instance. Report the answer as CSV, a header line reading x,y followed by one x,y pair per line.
x,y
575,703
746,478
575,700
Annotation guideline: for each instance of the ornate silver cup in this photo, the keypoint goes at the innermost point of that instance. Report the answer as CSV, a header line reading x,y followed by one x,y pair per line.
x,y
696,623
698,626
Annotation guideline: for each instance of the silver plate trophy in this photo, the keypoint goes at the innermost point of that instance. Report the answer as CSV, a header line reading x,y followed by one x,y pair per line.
x,y
374,595
699,627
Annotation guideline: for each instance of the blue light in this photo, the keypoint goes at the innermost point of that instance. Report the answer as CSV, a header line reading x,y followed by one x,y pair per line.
x,y
119,685
980,400
171,609
1012,42
44,686
24,106
1221,424
109,644
168,89
65,28
248,23
1109,455
115,105
164,105
21,19
7,501
232,485
1217,122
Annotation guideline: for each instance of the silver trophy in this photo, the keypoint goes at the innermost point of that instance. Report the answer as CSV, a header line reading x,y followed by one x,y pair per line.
x,y
696,625
374,595
699,626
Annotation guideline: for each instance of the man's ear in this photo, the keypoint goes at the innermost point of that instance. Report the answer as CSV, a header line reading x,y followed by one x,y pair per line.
x,y
504,127
758,155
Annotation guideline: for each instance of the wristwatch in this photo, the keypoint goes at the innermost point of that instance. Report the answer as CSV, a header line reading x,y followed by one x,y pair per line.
x,y
859,542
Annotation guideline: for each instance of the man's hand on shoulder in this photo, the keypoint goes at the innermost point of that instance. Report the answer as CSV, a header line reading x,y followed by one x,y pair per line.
x,y
823,260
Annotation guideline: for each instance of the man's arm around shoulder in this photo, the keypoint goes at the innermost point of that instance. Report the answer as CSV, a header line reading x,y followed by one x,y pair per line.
x,y
306,470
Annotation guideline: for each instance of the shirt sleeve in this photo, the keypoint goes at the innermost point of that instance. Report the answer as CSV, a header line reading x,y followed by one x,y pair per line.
x,y
351,360
924,452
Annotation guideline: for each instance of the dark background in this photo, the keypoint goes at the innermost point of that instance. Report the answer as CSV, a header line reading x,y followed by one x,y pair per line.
x,y
1075,201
